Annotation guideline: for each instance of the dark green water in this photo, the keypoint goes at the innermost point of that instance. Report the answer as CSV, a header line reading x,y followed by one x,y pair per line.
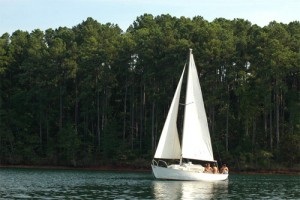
x,y
81,184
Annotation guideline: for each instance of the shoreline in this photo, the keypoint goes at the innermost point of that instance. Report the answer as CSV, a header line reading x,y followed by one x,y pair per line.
x,y
92,168
270,172
139,169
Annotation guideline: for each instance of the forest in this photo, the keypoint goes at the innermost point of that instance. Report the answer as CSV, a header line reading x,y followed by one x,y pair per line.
x,y
95,95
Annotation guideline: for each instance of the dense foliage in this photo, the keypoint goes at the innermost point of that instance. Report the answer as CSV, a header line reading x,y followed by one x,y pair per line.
x,y
94,95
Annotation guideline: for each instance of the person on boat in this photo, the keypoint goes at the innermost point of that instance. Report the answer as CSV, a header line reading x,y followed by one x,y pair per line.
x,y
224,169
215,169
208,168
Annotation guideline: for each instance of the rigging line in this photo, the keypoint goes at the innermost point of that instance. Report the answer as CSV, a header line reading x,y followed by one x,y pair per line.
x,y
185,104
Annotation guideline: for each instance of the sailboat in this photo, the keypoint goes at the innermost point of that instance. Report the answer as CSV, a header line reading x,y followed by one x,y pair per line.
x,y
196,142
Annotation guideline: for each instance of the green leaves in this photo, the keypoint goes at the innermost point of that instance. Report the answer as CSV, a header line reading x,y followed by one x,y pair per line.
x,y
74,95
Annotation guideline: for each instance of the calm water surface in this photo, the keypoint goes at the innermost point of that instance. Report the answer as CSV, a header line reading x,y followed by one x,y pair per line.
x,y
73,184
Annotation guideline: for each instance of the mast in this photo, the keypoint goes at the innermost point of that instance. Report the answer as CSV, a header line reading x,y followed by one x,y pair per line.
x,y
186,103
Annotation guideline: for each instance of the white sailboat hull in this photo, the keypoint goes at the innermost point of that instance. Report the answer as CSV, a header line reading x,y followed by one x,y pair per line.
x,y
185,174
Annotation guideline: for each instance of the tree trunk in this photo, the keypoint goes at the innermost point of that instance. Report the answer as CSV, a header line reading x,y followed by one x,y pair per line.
x,y
247,127
271,130
104,105
152,127
76,107
227,121
132,115
98,114
213,119
227,127
47,127
60,107
265,119
41,133
282,112
125,111
142,107
277,120
253,134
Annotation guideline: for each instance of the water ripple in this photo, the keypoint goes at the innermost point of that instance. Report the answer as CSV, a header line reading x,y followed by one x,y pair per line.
x,y
72,184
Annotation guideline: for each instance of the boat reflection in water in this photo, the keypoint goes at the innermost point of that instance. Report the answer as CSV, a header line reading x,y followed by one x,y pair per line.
x,y
189,189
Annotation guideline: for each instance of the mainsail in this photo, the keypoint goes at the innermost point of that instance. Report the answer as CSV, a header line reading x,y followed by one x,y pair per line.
x,y
169,145
196,143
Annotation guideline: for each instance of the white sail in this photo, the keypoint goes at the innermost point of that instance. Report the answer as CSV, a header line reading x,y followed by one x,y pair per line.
x,y
169,145
196,142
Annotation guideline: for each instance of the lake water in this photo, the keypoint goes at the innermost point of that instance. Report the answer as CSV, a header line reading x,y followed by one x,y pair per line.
x,y
82,184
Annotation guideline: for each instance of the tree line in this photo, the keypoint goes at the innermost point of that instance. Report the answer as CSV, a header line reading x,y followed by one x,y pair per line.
x,y
96,95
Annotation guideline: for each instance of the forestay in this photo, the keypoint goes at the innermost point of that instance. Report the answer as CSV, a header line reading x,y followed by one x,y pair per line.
x,y
169,145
